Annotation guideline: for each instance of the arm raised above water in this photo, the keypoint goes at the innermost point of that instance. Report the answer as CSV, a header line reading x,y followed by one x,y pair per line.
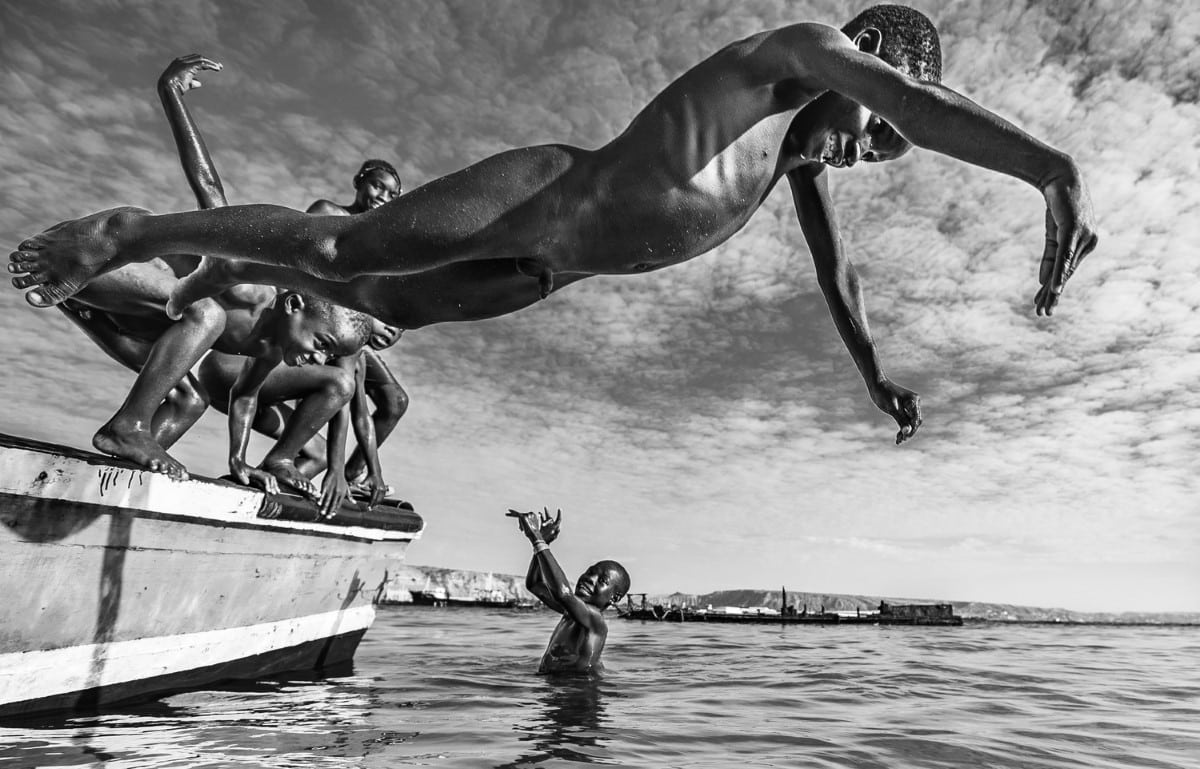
x,y
935,117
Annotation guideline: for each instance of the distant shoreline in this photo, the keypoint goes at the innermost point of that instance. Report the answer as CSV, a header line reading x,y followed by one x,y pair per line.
x,y
466,583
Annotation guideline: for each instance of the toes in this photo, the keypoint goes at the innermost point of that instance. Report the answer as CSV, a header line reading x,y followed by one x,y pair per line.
x,y
32,279
33,244
22,261
48,295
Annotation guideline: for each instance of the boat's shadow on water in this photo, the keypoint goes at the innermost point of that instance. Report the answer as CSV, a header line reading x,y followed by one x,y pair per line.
x,y
571,724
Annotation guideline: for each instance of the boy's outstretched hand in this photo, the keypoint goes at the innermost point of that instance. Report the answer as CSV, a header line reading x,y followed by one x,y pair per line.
x,y
180,75
1070,236
901,404
538,527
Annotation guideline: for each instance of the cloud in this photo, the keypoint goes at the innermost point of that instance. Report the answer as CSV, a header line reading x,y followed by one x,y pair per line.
x,y
707,412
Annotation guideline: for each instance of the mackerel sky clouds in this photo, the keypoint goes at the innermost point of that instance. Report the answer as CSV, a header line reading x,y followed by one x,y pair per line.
x,y
702,424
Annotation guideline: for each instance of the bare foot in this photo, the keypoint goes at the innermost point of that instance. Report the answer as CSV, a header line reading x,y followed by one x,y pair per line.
x,y
138,446
211,277
286,473
65,257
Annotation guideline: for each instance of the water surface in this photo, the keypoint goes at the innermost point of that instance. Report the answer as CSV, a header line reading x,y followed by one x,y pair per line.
x,y
457,688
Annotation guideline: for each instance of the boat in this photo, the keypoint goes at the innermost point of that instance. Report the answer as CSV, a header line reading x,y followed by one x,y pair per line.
x,y
487,594
886,614
123,584
437,597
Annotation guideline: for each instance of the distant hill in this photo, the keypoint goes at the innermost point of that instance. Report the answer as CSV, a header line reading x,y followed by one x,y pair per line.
x,y
460,583
971,610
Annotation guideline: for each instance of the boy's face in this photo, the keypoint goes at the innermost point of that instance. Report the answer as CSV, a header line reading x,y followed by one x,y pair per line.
x,y
598,585
304,338
376,188
383,336
840,133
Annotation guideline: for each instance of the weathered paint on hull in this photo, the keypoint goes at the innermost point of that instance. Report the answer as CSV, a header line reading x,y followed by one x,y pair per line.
x,y
120,583
124,673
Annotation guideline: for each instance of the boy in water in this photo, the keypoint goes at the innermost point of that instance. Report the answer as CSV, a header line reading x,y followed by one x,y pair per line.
x,y
687,173
578,640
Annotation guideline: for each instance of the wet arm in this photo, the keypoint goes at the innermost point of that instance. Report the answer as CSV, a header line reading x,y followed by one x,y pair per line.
x,y
535,582
197,164
552,580
334,488
243,405
927,114
938,118
364,425
842,289
836,274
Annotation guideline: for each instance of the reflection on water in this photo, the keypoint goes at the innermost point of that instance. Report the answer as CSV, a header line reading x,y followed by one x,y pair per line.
x,y
274,723
459,688
570,725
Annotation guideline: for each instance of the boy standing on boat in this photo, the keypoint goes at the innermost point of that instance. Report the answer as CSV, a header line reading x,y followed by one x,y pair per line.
x,y
124,313
578,640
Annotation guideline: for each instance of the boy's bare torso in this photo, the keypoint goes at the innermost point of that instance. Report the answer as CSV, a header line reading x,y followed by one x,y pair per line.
x,y
687,173
574,648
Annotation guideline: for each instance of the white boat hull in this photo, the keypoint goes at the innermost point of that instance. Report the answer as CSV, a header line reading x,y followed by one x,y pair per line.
x,y
119,583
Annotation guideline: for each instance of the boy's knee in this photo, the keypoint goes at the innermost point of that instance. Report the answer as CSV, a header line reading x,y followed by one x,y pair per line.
x,y
339,385
205,313
188,400
392,403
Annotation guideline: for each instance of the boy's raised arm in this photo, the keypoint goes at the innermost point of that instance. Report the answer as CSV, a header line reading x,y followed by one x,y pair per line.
x,y
937,118
843,294
178,78
552,585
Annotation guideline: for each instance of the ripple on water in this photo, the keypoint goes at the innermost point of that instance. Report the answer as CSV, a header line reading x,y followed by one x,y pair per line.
x,y
458,688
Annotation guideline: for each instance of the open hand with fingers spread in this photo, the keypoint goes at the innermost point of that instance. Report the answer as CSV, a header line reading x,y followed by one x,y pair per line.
x,y
538,527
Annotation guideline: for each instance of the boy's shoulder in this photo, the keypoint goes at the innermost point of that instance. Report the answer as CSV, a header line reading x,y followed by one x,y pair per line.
x,y
326,208
248,296
804,34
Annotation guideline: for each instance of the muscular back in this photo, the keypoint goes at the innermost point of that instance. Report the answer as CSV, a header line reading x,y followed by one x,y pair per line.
x,y
697,162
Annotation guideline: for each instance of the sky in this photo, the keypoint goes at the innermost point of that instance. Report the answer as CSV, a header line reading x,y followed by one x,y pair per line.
x,y
702,424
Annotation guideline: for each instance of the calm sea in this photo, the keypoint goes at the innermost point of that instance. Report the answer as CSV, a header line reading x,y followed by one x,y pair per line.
x,y
457,688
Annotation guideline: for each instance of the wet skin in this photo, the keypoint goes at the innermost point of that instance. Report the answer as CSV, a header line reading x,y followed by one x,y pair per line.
x,y
578,639
291,333
124,312
686,174
375,188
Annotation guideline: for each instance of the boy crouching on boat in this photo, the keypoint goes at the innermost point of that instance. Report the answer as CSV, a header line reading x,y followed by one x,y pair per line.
x,y
579,638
